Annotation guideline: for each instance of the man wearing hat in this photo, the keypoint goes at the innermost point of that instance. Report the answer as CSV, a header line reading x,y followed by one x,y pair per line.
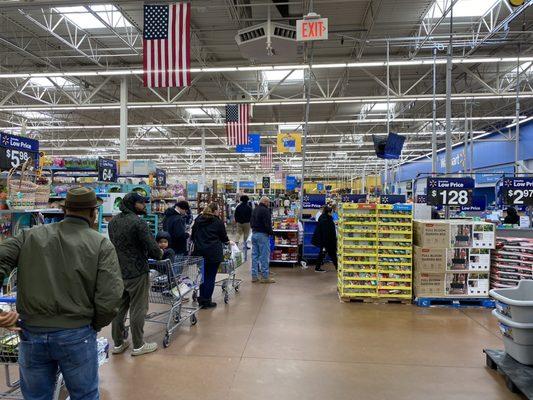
x,y
69,287
135,244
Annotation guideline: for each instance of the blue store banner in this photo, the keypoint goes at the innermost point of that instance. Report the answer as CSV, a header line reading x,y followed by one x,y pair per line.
x,y
253,146
16,150
245,184
320,187
392,198
493,175
479,203
291,183
450,191
353,198
315,201
518,191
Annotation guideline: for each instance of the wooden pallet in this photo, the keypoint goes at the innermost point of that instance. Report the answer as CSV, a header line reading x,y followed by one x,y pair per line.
x,y
374,300
518,377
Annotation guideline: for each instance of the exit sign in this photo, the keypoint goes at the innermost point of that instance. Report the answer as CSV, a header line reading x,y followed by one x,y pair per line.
x,y
312,29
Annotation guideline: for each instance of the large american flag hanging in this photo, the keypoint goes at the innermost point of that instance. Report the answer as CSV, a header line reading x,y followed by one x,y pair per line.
x,y
266,157
237,120
167,45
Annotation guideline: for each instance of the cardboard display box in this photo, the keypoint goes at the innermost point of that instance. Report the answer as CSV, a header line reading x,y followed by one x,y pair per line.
x,y
427,260
453,234
451,284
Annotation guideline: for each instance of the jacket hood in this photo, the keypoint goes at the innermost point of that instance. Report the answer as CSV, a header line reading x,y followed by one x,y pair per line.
x,y
128,204
203,220
169,212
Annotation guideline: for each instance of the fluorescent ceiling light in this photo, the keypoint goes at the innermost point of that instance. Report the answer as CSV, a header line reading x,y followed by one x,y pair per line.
x,y
49,82
290,127
278,75
379,107
35,115
461,9
83,19
203,112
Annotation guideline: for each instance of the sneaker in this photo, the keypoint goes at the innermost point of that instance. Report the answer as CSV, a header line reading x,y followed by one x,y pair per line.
x,y
320,269
144,349
120,349
255,280
267,280
303,264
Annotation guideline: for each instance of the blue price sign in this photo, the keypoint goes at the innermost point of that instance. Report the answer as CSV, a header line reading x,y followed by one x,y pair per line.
x,y
16,150
518,191
450,191
392,198
160,177
253,146
353,198
107,170
315,201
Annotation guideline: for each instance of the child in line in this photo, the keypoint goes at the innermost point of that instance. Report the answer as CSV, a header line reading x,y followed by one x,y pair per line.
x,y
163,239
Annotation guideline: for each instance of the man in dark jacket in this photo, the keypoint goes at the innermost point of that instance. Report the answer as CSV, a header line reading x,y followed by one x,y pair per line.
x,y
135,244
261,223
175,223
69,287
243,215
325,237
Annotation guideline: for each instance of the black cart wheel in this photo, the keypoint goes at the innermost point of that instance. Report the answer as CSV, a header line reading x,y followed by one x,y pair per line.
x,y
177,318
237,289
490,363
166,341
194,320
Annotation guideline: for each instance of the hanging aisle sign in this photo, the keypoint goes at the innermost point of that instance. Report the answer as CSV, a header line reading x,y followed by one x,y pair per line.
x,y
16,150
392,198
289,142
107,170
253,146
518,191
315,201
160,177
266,182
450,191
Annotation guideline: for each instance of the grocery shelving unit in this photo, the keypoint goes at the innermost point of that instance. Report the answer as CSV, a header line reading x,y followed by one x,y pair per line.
x,y
285,242
395,250
375,251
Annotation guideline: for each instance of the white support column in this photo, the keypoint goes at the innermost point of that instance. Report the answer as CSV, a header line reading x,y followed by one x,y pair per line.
x,y
449,67
201,186
434,123
124,118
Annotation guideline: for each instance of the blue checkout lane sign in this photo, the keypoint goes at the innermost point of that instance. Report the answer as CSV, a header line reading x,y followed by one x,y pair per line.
x,y
450,191
392,198
315,201
518,191
291,182
16,150
353,198
107,170
253,146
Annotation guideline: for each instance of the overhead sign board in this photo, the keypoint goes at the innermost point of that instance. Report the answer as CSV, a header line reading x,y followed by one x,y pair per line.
x,y
311,29
160,177
353,198
107,170
493,175
392,198
518,191
291,183
16,150
449,191
289,142
253,145
315,201
266,182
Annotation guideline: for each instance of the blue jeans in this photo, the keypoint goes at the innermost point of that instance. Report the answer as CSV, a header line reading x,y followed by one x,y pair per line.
x,y
260,254
73,351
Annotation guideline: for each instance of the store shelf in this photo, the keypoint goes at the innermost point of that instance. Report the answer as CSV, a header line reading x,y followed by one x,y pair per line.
x,y
286,245
285,261
286,230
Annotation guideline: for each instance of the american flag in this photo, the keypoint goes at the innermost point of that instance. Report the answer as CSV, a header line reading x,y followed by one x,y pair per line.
x,y
237,119
167,45
266,158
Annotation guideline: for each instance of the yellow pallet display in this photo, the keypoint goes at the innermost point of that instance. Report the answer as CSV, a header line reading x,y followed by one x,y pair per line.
x,y
375,251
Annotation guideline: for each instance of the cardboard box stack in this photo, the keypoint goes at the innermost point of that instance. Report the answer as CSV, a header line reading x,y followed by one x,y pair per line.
x,y
452,258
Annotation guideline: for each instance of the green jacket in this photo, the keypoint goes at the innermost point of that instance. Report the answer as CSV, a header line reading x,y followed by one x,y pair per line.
x,y
68,275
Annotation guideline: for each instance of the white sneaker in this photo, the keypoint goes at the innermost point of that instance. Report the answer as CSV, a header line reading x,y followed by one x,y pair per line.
x,y
145,349
120,349
303,264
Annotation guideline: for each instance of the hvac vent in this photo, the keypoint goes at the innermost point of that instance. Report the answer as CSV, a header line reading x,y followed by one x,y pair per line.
x,y
269,41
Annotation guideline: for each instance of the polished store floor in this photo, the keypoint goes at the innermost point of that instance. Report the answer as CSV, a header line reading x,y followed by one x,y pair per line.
x,y
294,340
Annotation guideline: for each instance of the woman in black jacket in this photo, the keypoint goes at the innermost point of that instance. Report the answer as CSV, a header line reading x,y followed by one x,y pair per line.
x,y
209,236
325,237
512,217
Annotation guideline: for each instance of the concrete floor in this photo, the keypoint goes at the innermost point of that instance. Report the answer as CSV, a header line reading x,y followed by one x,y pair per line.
x,y
295,340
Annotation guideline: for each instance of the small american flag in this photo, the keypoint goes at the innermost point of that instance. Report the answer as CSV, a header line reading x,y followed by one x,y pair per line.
x,y
237,120
167,45
266,158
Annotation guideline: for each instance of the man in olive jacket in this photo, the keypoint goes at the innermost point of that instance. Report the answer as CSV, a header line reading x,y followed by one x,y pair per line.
x,y
135,244
69,287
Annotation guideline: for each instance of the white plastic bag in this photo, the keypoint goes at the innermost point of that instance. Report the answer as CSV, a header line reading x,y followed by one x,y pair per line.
x,y
234,250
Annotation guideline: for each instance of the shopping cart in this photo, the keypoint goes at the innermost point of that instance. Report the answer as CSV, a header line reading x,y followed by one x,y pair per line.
x,y
9,350
170,284
230,283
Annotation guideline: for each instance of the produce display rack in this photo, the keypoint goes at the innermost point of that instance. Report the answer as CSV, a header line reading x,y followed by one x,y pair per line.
x,y
375,252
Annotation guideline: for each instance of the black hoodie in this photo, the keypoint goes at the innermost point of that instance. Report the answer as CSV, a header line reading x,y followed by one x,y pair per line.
x,y
175,224
133,240
209,235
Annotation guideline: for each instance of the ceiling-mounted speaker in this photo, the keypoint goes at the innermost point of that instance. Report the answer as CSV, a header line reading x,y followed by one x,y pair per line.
x,y
268,42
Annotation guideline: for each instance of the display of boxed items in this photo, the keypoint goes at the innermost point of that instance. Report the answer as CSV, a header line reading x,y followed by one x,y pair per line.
x,y
285,240
512,262
454,233
459,259
451,284
483,235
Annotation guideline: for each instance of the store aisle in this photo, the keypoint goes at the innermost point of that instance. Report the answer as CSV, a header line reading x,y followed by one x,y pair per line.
x,y
294,339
